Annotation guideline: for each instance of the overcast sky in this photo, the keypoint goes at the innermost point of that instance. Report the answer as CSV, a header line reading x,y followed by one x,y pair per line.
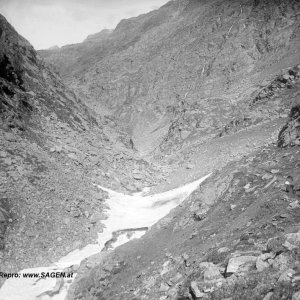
x,y
46,23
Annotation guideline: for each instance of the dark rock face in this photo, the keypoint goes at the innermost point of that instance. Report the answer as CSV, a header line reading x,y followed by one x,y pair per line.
x,y
9,73
290,133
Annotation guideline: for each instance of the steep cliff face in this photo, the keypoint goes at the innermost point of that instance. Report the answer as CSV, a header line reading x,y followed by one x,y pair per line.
x,y
210,57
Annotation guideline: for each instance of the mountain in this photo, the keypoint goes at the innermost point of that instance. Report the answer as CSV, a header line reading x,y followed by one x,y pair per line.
x,y
170,74
192,88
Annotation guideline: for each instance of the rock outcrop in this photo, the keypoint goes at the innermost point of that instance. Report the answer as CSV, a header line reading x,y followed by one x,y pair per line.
x,y
290,133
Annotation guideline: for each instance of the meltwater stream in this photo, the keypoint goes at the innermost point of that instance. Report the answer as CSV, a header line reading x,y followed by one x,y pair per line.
x,y
129,216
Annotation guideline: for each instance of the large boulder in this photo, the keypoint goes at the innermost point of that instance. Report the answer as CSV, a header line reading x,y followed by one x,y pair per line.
x,y
212,273
240,264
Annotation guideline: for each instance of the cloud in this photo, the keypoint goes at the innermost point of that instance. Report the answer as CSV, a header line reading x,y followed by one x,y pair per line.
x,y
59,22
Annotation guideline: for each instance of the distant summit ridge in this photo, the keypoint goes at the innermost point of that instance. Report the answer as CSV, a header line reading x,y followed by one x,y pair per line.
x,y
98,36
55,47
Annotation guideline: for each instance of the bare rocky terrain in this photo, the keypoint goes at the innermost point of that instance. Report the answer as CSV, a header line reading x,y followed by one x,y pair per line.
x,y
192,88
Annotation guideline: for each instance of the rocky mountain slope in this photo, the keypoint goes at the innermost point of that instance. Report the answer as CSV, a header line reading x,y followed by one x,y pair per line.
x,y
186,69
52,151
